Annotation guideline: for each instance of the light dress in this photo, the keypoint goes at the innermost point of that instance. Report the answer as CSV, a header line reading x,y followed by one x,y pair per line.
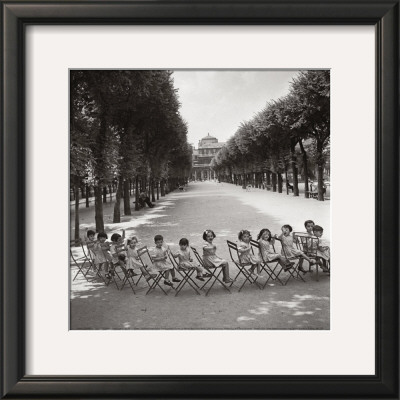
x,y
114,251
246,256
184,260
132,261
163,265
323,250
288,246
210,259
90,247
102,254
266,251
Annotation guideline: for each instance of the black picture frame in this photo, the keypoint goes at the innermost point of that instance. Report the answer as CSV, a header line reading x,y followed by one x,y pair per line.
x,y
16,15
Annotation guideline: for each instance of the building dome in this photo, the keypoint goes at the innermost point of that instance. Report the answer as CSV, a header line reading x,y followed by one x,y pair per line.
x,y
208,137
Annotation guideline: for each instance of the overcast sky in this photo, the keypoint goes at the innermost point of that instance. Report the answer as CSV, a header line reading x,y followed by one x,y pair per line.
x,y
216,102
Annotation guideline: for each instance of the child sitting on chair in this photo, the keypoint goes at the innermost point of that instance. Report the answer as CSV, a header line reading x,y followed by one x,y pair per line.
x,y
307,244
160,260
133,263
246,256
185,260
267,253
288,247
210,259
90,243
323,251
101,250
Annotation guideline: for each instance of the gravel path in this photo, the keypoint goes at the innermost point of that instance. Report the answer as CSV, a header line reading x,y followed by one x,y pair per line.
x,y
224,209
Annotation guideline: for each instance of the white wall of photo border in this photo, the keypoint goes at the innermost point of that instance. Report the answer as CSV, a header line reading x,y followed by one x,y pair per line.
x,y
349,346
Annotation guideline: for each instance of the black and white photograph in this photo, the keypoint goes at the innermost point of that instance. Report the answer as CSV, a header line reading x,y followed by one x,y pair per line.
x,y
199,199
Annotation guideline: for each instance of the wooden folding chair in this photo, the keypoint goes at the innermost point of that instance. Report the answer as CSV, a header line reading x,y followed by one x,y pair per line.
x,y
235,257
309,246
271,268
293,273
80,262
186,275
145,259
215,277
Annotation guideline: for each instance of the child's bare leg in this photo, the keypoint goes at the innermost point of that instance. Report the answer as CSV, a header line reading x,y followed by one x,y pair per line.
x,y
225,272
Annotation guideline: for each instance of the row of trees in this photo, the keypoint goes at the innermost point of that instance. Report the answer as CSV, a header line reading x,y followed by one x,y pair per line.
x,y
291,131
125,132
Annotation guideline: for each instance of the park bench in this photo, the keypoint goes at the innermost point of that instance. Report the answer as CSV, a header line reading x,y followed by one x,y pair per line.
x,y
312,194
269,187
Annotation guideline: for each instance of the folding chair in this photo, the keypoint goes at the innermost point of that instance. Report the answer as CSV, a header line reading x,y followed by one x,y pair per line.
x,y
143,254
294,271
104,248
90,254
186,275
235,257
269,267
309,246
80,262
212,271
128,277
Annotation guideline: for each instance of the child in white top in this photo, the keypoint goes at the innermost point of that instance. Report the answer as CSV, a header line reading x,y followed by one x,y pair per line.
x,y
288,247
246,255
133,263
210,258
160,261
267,252
185,260
323,251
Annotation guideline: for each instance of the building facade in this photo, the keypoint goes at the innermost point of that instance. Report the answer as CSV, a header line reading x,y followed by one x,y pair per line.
x,y
208,147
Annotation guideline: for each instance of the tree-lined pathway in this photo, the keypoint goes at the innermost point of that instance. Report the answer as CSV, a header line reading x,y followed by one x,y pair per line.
x,y
187,214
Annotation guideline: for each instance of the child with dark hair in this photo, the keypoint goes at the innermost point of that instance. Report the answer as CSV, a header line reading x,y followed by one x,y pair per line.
x,y
245,254
323,251
210,259
185,260
133,263
90,243
160,260
267,253
309,225
288,246
101,250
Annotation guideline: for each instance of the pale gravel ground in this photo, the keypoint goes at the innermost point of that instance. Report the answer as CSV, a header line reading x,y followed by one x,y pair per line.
x,y
226,209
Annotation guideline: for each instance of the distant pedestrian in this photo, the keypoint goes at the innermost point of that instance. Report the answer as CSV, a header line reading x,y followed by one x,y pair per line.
x,y
144,199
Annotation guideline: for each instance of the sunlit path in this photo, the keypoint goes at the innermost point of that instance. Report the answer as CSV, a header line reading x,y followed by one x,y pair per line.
x,y
226,209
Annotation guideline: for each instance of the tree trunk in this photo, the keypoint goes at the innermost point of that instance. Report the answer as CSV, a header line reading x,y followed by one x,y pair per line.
x,y
87,195
117,205
127,199
305,168
268,178
137,208
320,162
104,194
279,182
287,180
158,190
273,181
294,167
153,197
76,208
98,209
110,188
162,184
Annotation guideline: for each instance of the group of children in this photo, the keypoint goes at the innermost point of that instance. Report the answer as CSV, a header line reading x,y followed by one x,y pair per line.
x,y
123,252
